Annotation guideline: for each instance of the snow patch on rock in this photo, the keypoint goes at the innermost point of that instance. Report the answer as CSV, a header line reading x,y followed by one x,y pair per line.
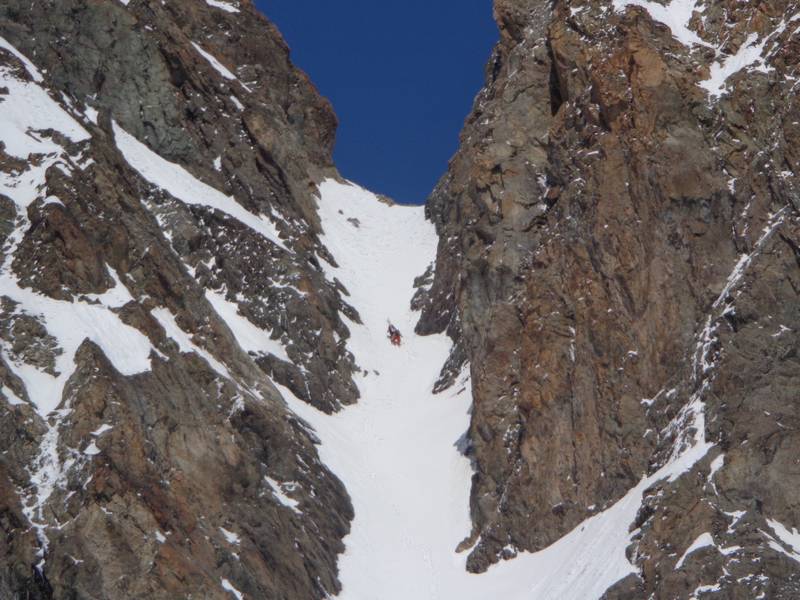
x,y
789,538
748,54
182,185
282,497
676,15
703,541
185,343
229,536
218,66
222,6
250,337
228,587
29,66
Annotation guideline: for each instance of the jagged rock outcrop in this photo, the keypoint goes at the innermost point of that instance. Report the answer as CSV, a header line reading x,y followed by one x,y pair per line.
x,y
619,264
145,452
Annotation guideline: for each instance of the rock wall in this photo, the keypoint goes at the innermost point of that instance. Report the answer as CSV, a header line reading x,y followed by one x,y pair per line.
x,y
186,476
619,264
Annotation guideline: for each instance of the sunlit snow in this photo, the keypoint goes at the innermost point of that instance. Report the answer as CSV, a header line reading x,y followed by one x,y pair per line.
x,y
703,540
218,66
675,15
185,187
229,536
790,539
752,53
748,54
282,497
184,340
222,6
29,66
396,450
250,337
228,587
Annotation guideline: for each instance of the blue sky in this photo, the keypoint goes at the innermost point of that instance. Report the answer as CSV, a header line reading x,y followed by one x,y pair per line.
x,y
401,75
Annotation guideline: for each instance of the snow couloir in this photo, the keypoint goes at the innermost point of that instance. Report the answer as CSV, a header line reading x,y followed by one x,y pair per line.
x,y
396,450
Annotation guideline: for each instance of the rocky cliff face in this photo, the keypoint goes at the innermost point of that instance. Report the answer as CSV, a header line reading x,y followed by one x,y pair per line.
x,y
157,169
619,264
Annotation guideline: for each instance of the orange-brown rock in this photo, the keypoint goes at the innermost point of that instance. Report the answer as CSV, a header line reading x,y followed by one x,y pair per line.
x,y
599,205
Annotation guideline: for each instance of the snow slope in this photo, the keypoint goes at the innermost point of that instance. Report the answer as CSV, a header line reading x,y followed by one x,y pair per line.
x,y
396,450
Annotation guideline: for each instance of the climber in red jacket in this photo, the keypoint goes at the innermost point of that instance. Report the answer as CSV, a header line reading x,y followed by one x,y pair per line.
x,y
394,335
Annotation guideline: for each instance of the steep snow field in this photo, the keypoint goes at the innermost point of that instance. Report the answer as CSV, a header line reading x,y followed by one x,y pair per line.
x,y
396,449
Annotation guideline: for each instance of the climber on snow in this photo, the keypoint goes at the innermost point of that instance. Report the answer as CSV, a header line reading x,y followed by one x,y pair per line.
x,y
394,335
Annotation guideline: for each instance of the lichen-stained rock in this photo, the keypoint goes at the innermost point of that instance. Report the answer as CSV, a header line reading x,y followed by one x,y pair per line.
x,y
145,451
624,194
